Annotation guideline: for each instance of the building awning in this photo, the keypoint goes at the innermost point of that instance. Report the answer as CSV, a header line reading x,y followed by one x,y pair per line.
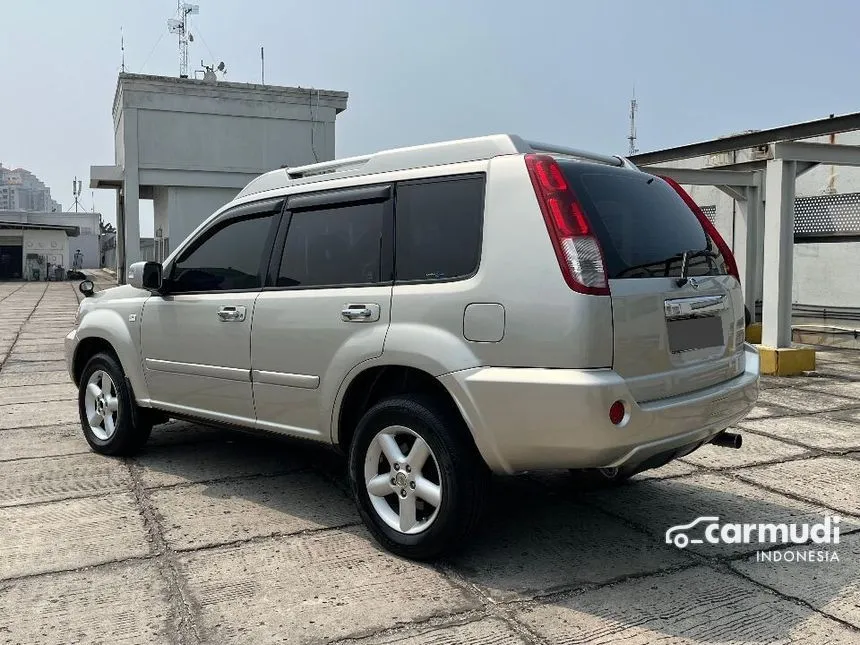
x,y
71,231
106,177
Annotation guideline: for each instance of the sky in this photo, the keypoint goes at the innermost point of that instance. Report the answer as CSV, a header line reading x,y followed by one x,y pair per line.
x,y
556,71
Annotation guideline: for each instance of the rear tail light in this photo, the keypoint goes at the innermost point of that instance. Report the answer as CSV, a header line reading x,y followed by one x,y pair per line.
x,y
710,229
577,249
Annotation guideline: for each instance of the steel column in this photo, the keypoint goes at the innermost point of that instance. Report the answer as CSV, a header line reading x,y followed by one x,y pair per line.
x,y
778,252
749,244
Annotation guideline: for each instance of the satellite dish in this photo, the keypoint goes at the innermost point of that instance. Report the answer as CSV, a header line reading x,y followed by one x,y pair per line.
x,y
190,37
222,67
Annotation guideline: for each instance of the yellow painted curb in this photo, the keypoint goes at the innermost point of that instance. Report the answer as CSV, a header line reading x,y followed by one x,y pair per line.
x,y
786,361
754,333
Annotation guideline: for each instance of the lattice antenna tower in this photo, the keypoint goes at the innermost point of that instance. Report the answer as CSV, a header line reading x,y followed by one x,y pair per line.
x,y
631,138
181,26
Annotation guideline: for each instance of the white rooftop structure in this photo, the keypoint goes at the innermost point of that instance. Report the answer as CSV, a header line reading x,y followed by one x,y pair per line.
x,y
191,145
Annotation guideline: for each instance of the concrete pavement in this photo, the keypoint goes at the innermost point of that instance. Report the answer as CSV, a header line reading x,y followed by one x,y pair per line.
x,y
218,537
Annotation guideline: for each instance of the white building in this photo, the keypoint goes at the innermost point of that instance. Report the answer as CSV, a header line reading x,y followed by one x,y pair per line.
x,y
21,190
53,238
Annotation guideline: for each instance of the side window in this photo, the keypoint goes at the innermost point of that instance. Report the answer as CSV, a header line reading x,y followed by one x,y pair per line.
x,y
334,246
229,258
438,228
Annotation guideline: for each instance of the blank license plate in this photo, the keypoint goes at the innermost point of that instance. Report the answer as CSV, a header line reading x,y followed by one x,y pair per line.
x,y
694,333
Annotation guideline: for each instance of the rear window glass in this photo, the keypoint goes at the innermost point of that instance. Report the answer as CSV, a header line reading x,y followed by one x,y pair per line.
x,y
641,223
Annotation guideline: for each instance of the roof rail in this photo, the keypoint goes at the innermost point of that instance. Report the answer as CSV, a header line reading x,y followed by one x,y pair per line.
x,y
432,154
297,172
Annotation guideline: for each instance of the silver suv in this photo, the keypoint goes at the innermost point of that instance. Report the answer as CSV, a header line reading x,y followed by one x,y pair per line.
x,y
437,313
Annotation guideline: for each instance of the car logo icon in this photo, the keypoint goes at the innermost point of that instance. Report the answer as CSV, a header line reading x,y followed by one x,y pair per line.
x,y
677,534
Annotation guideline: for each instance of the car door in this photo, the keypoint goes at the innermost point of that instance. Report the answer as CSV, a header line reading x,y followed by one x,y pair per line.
x,y
196,338
327,307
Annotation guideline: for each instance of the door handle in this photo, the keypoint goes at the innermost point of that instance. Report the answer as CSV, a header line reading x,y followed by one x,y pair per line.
x,y
229,313
360,313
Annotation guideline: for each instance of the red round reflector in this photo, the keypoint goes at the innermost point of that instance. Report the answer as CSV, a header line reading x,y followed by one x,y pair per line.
x,y
616,413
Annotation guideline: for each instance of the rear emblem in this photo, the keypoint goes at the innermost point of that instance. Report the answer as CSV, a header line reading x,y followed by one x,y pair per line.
x,y
694,283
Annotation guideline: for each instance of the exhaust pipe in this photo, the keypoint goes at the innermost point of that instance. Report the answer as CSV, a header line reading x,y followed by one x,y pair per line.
x,y
728,440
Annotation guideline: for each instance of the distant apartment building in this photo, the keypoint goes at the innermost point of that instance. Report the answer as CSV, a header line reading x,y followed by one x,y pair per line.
x,y
21,190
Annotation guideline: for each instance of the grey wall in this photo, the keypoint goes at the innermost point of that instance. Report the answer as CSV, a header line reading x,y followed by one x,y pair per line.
x,y
188,207
89,246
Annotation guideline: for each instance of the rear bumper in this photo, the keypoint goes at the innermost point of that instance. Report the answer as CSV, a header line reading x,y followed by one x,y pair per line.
x,y
534,418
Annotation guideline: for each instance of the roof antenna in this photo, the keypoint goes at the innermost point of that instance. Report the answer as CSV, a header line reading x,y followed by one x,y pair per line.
x,y
122,48
262,66
180,26
634,108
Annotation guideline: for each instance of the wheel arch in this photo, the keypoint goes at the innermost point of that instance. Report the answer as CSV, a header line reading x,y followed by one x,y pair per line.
x,y
373,383
105,330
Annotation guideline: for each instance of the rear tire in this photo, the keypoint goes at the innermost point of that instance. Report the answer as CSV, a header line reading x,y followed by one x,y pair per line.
x,y
111,421
429,500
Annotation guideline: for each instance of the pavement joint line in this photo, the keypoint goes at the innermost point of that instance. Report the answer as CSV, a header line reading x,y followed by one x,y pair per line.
x,y
812,453
101,565
793,599
18,333
440,621
792,496
789,413
181,604
257,539
225,479
94,495
63,454
67,400
12,293
792,442
40,427
4,387
555,595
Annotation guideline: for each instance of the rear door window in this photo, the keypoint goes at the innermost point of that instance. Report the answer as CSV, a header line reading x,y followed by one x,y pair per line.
x,y
438,226
335,246
642,224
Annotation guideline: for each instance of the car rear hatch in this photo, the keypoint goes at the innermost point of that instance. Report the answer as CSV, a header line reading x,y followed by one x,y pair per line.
x,y
677,310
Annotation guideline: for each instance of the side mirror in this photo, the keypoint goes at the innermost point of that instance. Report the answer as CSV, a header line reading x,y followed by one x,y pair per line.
x,y
86,287
145,275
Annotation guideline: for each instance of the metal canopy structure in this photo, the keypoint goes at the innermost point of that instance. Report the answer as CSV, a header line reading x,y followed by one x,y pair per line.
x,y
766,195
807,130
779,228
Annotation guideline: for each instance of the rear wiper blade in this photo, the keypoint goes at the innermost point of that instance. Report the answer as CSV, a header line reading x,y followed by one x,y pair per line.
x,y
695,253
685,258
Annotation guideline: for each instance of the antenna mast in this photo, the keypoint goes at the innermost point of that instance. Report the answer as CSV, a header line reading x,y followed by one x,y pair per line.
x,y
634,108
76,192
122,48
181,26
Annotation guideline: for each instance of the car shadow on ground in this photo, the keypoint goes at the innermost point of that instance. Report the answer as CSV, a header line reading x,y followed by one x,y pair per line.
x,y
543,536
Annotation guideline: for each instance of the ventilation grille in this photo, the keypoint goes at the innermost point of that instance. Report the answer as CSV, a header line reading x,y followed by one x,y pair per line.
x,y
710,212
827,215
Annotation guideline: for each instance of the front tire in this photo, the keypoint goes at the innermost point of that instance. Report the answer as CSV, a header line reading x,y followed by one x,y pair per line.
x,y
110,419
417,478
